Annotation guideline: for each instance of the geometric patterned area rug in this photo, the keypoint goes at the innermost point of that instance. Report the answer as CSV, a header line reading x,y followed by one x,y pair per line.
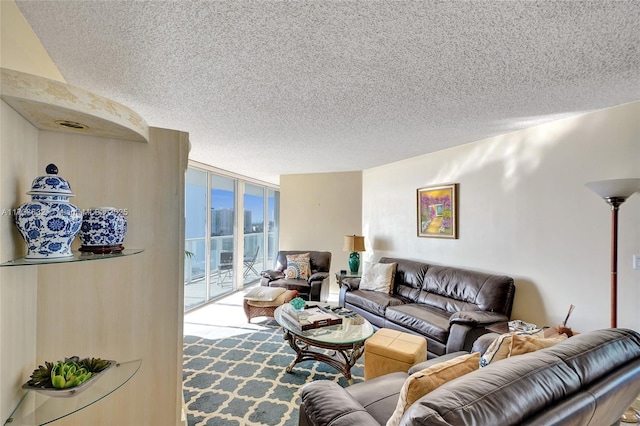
x,y
241,380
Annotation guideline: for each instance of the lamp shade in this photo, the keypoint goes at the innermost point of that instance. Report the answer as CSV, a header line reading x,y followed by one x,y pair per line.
x,y
353,243
615,188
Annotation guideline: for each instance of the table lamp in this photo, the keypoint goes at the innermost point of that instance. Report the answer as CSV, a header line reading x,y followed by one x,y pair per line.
x,y
354,244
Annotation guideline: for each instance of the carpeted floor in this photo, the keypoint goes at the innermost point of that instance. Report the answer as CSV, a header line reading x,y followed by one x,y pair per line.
x,y
241,380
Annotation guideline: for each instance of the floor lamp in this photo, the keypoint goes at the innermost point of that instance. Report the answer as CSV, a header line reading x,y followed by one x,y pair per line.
x,y
615,192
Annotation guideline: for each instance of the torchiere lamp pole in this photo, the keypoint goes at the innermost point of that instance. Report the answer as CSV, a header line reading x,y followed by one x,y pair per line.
x,y
615,192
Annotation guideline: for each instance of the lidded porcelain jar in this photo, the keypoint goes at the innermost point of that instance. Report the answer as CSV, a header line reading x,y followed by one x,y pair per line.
x,y
103,230
49,223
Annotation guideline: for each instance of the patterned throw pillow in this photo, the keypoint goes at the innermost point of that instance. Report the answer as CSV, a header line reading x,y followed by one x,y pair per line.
x,y
299,263
293,271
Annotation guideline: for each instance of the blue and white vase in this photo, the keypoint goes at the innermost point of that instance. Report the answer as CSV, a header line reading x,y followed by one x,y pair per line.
x,y
103,230
49,223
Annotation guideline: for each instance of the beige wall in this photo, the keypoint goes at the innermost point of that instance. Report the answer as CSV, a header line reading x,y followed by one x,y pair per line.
x,y
21,49
120,309
129,308
18,303
317,211
525,212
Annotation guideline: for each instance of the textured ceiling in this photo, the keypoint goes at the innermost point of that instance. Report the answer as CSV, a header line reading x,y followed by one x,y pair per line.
x,y
268,88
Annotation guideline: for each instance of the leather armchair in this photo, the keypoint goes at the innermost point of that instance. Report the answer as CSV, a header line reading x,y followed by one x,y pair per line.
x,y
316,288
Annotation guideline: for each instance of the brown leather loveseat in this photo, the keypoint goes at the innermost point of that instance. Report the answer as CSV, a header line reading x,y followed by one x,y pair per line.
x,y
315,288
588,380
450,307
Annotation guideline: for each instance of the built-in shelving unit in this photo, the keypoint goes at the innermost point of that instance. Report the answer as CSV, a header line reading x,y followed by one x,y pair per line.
x,y
43,102
77,257
37,409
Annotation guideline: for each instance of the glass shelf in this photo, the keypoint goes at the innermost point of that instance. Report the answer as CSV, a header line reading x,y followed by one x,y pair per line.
x,y
77,257
37,409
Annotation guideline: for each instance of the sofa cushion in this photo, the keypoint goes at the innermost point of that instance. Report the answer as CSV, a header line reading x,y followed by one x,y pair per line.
x,y
378,277
408,278
428,379
422,319
370,301
465,290
512,344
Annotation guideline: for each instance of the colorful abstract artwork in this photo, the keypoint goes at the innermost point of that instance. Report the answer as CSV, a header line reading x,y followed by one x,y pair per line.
x,y
437,211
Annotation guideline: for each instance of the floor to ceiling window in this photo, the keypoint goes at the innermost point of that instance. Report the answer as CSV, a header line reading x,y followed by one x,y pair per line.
x,y
222,240
273,224
229,239
253,231
195,262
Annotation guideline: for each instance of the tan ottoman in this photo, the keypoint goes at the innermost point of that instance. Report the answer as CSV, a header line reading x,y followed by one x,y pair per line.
x,y
390,350
265,308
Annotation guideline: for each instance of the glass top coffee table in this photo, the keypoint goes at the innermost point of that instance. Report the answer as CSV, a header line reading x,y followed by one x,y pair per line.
x,y
344,342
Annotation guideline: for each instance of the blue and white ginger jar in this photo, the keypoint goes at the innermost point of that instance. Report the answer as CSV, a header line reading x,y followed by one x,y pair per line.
x,y
103,229
49,223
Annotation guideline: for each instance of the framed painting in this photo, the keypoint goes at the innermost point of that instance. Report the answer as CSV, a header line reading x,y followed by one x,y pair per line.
x,y
438,211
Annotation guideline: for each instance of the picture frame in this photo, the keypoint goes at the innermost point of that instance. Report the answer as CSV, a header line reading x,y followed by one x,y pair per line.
x,y
438,211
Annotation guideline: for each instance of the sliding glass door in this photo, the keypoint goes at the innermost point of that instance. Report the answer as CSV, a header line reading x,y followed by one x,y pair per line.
x,y
222,240
195,262
273,227
253,232
229,239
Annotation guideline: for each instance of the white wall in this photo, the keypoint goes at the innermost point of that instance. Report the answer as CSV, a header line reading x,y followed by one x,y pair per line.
x,y
317,211
524,211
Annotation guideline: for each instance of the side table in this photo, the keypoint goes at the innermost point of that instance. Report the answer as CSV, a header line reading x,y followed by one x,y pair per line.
x,y
342,275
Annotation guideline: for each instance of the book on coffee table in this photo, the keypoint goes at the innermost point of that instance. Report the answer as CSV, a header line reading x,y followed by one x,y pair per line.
x,y
311,317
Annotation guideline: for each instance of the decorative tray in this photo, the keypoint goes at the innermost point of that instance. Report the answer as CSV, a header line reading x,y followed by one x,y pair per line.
x,y
64,393
312,317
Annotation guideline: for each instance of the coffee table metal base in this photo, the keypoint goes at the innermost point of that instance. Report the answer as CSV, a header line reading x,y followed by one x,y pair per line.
x,y
343,358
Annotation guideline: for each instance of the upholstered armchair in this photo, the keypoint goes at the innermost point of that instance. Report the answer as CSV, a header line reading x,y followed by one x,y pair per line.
x,y
289,273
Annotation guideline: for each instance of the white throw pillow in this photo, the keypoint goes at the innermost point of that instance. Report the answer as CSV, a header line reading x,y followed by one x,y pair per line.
x,y
265,294
378,277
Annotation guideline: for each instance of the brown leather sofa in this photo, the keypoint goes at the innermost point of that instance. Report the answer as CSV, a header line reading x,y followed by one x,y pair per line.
x,y
316,288
588,379
450,307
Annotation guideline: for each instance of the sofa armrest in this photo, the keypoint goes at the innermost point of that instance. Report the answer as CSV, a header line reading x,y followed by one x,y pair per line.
x,y
272,275
318,276
351,283
327,403
477,318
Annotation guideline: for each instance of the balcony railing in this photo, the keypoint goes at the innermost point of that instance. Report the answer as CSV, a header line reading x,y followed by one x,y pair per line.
x,y
220,278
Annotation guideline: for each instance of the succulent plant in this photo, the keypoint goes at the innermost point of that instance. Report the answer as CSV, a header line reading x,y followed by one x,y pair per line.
x,y
65,374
